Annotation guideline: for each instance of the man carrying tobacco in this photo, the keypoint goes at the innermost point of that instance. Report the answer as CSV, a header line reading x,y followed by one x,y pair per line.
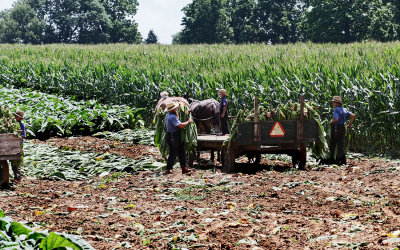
x,y
173,138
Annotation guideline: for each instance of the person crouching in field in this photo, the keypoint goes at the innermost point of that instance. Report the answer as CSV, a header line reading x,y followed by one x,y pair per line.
x,y
16,164
223,111
338,130
173,138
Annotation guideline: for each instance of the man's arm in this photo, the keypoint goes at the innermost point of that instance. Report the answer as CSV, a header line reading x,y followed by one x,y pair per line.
x,y
352,117
184,124
334,121
223,112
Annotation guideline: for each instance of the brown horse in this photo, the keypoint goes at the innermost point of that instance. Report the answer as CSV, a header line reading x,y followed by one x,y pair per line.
x,y
162,102
206,116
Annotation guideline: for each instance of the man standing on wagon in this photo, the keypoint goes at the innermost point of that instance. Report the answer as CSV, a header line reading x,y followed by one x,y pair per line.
x,y
173,138
223,111
338,130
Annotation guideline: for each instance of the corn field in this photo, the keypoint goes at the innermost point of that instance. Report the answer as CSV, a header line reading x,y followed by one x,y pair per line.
x,y
366,75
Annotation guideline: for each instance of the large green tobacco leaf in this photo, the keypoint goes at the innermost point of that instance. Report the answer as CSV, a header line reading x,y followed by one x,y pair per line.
x,y
54,241
18,229
78,241
15,236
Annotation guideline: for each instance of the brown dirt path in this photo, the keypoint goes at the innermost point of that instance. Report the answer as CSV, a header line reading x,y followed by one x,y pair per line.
x,y
326,207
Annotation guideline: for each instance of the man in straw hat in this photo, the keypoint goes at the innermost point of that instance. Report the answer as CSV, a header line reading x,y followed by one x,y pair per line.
x,y
223,111
338,130
16,164
173,137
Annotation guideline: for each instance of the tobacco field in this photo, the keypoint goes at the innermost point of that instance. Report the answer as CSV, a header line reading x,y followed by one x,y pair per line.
x,y
93,176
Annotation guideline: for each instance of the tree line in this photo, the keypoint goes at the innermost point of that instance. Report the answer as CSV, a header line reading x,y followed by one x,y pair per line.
x,y
204,21
289,21
70,21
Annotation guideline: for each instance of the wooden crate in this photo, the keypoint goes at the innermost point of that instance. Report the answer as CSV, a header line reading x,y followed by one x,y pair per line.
x,y
10,147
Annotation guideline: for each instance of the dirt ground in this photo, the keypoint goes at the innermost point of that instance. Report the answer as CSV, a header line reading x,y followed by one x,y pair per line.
x,y
268,207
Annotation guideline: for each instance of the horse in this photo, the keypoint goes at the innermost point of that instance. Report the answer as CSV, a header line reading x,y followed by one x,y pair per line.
x,y
164,99
205,114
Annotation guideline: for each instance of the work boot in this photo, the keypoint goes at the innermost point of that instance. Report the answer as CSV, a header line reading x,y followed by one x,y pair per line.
x,y
167,171
186,170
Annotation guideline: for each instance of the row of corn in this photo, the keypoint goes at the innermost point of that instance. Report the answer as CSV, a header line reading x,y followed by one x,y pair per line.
x,y
188,134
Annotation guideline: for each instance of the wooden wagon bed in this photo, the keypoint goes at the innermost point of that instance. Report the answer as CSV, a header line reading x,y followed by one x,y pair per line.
x,y
255,138
10,149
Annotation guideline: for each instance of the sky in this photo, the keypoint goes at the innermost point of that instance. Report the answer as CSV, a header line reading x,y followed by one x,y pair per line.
x,y
163,16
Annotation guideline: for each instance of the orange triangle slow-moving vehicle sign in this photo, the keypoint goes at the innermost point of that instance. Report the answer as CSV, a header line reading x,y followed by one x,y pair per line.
x,y
277,130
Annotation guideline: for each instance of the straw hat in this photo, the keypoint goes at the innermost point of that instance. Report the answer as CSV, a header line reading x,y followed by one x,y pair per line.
x,y
223,91
171,106
337,99
19,114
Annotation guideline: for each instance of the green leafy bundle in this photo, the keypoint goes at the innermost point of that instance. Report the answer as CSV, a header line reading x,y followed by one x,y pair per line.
x,y
48,162
288,111
8,124
14,235
188,134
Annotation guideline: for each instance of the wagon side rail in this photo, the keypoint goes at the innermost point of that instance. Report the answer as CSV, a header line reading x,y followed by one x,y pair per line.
x,y
10,147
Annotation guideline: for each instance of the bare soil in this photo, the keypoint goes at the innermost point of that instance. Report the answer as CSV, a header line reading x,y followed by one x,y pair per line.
x,y
99,145
271,206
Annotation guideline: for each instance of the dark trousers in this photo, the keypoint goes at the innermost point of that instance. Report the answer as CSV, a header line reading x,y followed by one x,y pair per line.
x,y
224,125
176,148
337,140
16,166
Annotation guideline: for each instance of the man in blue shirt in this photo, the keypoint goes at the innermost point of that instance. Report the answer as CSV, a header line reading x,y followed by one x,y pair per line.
x,y
223,111
338,130
16,164
173,138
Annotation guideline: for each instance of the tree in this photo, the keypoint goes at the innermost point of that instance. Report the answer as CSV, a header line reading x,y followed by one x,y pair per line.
x,y
20,25
94,24
347,21
151,38
383,26
176,38
279,21
243,20
206,21
70,21
121,13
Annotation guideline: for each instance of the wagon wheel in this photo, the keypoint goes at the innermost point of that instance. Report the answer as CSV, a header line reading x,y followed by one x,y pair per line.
x,y
295,159
302,157
4,174
228,160
254,158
